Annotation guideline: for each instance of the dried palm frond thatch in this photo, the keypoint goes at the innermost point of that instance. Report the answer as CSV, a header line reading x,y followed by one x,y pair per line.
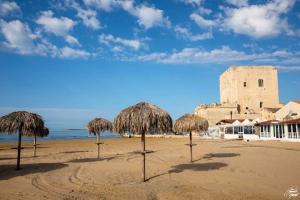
x,y
189,123
37,133
25,123
143,118
98,125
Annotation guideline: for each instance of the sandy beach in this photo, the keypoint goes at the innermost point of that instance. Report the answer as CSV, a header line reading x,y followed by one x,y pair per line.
x,y
221,170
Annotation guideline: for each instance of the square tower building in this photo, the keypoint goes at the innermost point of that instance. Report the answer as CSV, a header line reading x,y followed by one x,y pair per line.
x,y
251,88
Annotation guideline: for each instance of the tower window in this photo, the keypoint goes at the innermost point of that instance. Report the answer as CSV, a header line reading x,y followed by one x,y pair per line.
x,y
260,83
245,84
260,104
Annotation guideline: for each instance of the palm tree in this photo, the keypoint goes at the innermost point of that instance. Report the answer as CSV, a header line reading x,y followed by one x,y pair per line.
x,y
25,123
98,125
143,118
188,123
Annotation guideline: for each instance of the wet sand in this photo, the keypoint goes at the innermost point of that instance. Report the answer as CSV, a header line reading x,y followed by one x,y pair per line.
x,y
221,170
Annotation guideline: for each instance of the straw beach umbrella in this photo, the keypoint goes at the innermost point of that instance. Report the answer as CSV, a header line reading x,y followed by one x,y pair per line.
x,y
143,118
98,125
22,122
38,133
188,123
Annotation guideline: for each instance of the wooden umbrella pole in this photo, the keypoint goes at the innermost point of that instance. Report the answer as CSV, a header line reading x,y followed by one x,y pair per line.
x,y
98,144
144,156
34,146
191,146
19,149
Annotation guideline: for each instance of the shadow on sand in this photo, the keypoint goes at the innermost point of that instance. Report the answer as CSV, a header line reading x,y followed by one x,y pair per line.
x,y
73,151
83,160
261,146
197,167
8,171
220,155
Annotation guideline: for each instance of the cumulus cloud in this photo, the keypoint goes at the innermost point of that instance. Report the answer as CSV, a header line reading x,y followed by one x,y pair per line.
x,y
88,16
57,26
192,2
106,5
186,34
110,40
259,21
200,21
7,8
68,52
20,39
148,16
18,36
238,3
222,55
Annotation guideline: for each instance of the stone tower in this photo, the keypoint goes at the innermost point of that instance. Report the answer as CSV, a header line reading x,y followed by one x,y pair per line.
x,y
251,88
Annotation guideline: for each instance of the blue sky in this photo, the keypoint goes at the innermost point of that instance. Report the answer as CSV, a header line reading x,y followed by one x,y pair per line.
x,y
73,60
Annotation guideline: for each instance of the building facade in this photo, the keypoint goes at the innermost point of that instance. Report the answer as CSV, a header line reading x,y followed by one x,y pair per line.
x,y
252,88
246,92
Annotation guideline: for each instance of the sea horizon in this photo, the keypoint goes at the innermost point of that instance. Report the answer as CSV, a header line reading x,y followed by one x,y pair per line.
x,y
60,134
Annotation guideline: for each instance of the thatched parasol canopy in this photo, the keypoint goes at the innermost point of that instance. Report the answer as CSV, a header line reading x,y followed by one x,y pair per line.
x,y
25,122
143,118
98,125
190,122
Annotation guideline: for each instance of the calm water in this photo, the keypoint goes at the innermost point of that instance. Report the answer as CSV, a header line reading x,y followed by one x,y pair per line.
x,y
59,135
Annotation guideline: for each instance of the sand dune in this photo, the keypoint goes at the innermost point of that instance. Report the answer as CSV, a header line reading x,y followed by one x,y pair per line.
x,y
221,170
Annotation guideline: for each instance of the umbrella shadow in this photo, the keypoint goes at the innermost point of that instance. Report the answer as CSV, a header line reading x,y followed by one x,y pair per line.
x,y
8,171
73,151
209,156
28,147
197,167
157,175
15,158
221,155
84,160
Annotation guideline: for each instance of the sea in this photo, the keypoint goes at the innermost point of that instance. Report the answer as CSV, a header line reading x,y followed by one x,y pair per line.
x,y
58,135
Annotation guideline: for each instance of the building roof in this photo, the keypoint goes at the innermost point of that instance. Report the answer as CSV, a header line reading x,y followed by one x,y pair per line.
x,y
230,121
273,110
269,122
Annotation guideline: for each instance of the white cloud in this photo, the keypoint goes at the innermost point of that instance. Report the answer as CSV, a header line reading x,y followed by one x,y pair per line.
x,y
259,21
221,56
106,5
238,3
204,11
187,35
192,2
20,39
18,36
57,26
111,40
68,52
7,8
200,21
72,40
88,16
148,16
